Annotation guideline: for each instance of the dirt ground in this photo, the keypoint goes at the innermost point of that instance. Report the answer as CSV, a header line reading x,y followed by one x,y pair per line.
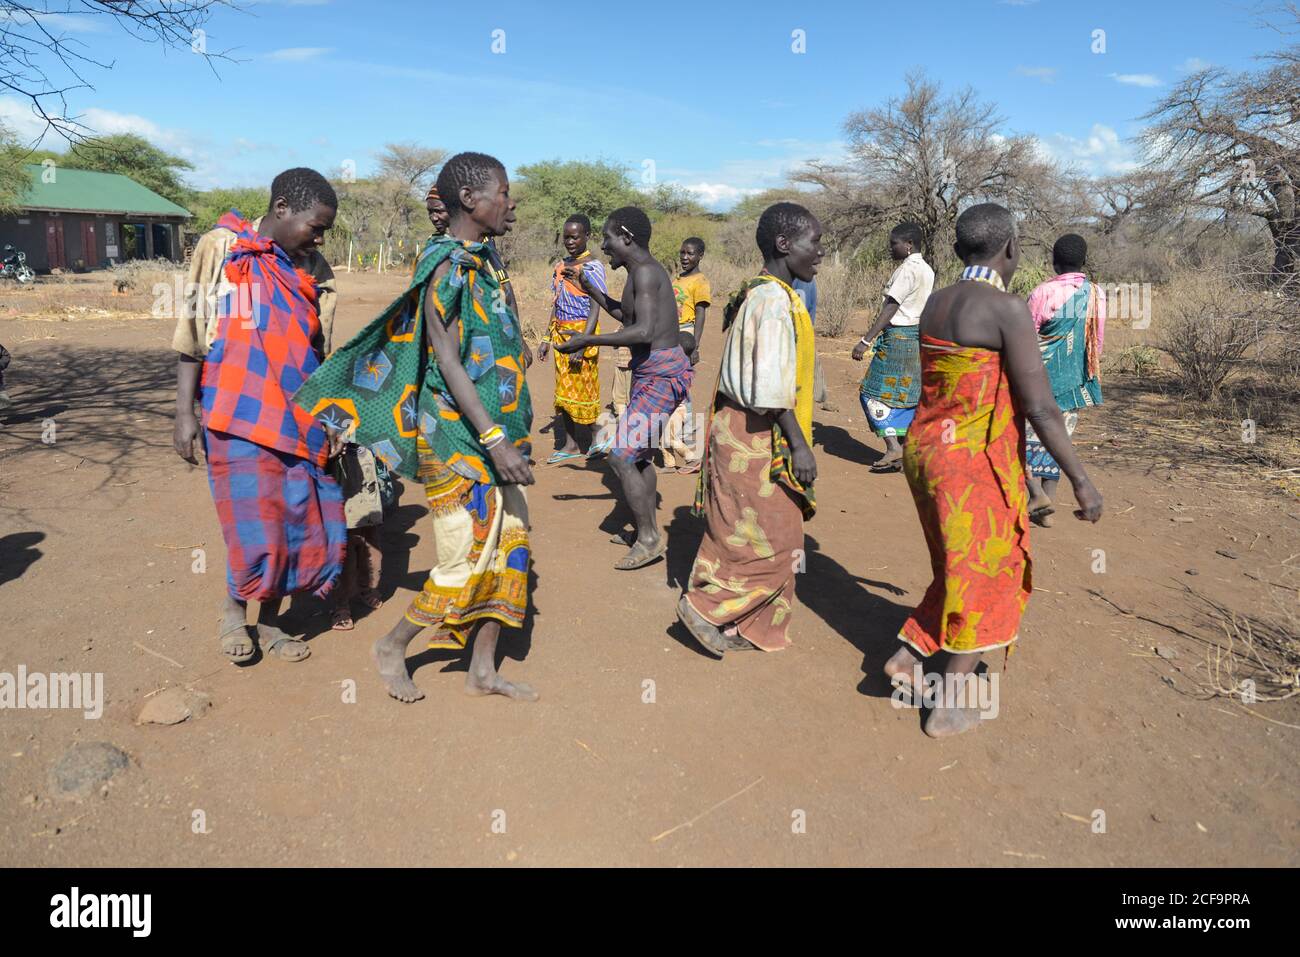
x,y
96,539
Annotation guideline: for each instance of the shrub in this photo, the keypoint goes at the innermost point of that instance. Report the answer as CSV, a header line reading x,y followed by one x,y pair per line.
x,y
1210,322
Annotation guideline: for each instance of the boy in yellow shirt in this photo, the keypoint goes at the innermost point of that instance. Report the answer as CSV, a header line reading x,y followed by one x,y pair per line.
x,y
693,295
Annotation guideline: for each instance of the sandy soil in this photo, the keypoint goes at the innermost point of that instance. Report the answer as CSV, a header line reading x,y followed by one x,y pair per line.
x,y
96,538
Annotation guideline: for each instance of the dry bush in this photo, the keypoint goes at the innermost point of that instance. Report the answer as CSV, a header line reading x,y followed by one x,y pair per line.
x,y
1211,322
845,292
1258,657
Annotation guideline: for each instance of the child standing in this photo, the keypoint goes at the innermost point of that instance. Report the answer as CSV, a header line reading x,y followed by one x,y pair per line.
x,y
691,290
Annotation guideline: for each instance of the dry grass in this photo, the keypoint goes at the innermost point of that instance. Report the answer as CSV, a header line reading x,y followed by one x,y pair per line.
x,y
130,291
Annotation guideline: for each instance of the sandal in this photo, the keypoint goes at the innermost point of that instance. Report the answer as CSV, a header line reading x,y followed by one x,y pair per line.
x,y
279,648
705,632
558,457
341,619
887,468
231,639
371,598
631,562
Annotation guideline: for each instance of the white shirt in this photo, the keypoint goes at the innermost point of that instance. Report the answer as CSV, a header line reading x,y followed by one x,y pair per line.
x,y
910,286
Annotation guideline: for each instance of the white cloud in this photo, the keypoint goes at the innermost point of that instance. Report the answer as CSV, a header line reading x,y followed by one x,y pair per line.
x,y
1101,153
298,54
1194,64
1136,79
719,196
1045,73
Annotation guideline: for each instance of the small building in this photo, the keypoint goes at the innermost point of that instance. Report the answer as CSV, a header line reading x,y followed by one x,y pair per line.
x,y
78,219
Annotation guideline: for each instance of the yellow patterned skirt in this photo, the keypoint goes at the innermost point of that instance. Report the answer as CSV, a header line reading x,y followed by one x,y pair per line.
x,y
577,377
482,556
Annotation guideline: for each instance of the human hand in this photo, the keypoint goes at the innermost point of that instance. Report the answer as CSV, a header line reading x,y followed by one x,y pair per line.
x,y
510,464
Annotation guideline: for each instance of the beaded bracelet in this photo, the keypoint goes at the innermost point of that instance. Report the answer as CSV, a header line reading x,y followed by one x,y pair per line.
x,y
492,437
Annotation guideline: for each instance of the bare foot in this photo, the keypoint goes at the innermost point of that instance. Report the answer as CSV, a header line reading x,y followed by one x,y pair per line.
x,y
901,664
492,683
390,659
945,722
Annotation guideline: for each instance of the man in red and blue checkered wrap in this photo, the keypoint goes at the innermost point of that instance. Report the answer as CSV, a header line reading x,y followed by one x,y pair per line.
x,y
281,514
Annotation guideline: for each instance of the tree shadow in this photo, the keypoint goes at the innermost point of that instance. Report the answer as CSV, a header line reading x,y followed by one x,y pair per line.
x,y
18,552
865,620
842,444
111,407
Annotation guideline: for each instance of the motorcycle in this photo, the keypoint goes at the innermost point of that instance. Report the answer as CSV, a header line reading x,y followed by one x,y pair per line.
x,y
13,265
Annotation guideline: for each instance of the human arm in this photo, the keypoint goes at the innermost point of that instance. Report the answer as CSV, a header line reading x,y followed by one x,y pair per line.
x,y
887,312
444,338
804,462
185,428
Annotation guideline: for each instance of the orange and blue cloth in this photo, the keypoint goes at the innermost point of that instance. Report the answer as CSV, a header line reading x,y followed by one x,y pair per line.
x,y
263,349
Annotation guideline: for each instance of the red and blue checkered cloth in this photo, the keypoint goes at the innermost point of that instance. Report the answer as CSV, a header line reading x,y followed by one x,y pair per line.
x,y
263,349
281,518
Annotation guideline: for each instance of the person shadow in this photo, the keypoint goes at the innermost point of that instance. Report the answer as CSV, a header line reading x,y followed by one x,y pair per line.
x,y
865,619
18,552
842,444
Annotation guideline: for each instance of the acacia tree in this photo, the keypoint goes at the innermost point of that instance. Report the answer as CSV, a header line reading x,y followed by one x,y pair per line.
x,y
1230,143
406,171
926,156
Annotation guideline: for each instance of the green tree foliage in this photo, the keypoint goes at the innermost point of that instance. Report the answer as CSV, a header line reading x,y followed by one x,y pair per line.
x,y
136,157
13,174
211,205
549,192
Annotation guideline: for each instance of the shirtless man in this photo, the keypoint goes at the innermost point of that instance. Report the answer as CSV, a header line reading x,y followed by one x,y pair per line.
x,y
661,371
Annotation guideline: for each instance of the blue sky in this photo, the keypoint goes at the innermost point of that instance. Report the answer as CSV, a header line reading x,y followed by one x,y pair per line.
x,y
711,94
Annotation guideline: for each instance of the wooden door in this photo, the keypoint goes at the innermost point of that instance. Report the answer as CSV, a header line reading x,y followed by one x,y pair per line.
x,y
54,243
89,246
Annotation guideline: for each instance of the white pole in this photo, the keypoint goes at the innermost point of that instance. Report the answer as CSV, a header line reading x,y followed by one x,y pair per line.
x,y
379,261
349,255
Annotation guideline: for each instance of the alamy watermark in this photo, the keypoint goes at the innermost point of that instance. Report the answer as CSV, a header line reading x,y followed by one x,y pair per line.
x,y
83,691
935,690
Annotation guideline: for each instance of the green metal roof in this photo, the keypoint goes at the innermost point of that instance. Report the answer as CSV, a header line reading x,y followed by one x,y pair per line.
x,y
79,190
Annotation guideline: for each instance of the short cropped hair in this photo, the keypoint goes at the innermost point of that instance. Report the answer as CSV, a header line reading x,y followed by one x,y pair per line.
x,y
581,220
635,221
695,241
474,170
780,219
983,230
1071,251
909,232
303,188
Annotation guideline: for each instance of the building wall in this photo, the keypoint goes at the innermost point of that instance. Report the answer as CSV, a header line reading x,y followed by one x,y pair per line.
x,y
29,231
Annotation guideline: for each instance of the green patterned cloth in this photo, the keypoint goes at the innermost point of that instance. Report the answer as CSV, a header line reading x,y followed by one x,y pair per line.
x,y
387,381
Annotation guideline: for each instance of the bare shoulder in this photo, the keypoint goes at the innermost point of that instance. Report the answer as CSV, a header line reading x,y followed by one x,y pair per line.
x,y
1007,307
